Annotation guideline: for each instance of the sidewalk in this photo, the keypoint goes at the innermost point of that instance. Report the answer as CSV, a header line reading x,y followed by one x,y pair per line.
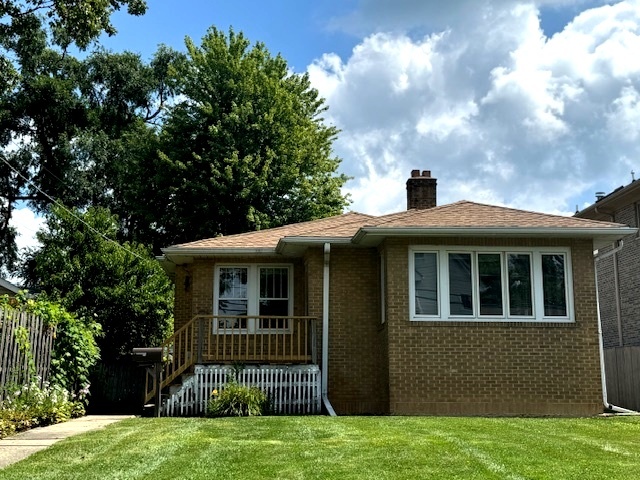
x,y
21,445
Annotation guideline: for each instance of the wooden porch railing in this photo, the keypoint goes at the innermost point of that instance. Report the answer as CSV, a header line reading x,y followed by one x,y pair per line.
x,y
235,339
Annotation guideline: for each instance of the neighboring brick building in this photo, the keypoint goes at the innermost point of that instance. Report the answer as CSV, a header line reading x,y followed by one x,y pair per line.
x,y
618,271
464,309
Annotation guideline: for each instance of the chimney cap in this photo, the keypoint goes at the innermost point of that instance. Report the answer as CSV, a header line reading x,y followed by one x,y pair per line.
x,y
417,174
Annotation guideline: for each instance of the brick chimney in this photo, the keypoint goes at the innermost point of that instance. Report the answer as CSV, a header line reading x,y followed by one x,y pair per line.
x,y
421,190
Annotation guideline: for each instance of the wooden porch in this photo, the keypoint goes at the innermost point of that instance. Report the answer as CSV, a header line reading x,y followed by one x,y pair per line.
x,y
224,339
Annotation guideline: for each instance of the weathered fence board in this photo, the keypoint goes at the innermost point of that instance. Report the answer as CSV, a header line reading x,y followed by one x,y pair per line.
x,y
14,363
292,390
622,369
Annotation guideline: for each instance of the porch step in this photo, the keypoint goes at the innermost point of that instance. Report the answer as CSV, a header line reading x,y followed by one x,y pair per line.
x,y
181,380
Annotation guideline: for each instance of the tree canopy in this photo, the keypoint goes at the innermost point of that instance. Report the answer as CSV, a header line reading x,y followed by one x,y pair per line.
x,y
246,148
121,287
42,108
220,140
68,21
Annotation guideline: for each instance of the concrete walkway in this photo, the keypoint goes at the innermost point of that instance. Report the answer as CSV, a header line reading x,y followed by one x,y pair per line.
x,y
23,444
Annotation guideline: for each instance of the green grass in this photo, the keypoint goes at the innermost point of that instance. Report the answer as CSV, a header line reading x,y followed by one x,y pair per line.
x,y
345,448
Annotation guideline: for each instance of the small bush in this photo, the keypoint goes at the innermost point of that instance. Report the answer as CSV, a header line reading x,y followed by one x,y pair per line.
x,y
237,401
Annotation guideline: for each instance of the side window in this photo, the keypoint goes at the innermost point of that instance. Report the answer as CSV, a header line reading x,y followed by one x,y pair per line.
x,y
274,296
490,284
233,299
460,284
426,283
520,285
554,285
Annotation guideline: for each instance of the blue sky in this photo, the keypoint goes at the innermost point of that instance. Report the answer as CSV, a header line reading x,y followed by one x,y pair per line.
x,y
533,104
300,30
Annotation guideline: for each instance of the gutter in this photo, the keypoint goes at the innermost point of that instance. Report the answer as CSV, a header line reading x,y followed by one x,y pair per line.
x,y
325,331
603,376
209,251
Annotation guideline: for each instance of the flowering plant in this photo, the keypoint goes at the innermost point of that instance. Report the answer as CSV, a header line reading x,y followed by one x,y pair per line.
x,y
30,405
237,400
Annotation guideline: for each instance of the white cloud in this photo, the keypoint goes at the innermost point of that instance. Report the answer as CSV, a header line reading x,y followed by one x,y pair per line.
x,y
497,111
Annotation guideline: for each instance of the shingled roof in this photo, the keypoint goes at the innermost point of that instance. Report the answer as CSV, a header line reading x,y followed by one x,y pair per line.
x,y
339,226
460,218
470,214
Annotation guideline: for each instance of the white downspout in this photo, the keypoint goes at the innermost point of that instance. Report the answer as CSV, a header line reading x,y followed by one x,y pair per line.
x,y
605,401
325,331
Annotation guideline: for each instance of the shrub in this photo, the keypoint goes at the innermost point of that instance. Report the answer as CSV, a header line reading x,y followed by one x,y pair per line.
x,y
30,406
74,350
237,400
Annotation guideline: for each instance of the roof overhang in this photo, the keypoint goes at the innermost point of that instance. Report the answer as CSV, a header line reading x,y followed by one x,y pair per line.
x,y
372,236
8,285
287,246
604,209
182,256
293,246
297,245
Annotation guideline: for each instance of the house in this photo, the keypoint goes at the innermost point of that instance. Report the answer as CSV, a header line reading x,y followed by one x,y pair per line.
x,y
618,279
8,288
461,309
617,270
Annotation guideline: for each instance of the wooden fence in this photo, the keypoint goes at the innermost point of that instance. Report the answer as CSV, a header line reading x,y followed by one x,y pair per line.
x,y
14,362
622,368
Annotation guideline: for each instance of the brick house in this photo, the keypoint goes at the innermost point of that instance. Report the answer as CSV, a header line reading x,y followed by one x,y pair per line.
x,y
462,309
618,279
618,286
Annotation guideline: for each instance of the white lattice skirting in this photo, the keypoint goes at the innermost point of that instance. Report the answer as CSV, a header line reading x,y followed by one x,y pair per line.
x,y
293,390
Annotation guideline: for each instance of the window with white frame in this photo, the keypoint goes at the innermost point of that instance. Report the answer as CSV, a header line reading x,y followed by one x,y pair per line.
x,y
490,284
260,291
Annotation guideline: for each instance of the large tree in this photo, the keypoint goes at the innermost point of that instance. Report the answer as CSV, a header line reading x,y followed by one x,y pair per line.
x,y
245,149
42,104
222,140
121,286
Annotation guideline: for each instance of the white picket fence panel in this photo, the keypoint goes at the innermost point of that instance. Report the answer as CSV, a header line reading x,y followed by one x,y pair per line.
x,y
292,390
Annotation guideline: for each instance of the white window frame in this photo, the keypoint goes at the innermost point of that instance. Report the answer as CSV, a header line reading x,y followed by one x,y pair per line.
x,y
253,296
537,297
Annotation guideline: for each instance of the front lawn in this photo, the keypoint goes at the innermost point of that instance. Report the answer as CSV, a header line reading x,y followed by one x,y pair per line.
x,y
345,448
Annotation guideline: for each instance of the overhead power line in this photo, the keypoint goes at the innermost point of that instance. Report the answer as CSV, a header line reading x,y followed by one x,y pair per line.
x,y
62,206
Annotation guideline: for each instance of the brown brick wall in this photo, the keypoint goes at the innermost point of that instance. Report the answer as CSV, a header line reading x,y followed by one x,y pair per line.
x,y
358,381
467,368
313,267
183,300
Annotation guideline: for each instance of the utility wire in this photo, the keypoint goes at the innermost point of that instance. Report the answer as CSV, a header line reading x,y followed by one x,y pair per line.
x,y
69,211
